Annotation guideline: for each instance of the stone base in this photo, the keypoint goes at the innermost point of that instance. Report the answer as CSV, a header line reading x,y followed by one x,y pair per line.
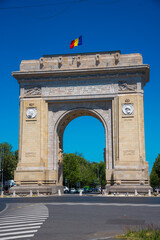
x,y
124,189
44,189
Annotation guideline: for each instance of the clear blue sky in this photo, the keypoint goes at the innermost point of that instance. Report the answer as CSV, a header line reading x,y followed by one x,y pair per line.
x,y
32,28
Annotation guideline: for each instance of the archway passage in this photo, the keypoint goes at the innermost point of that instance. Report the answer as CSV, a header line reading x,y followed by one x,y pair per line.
x,y
83,159
85,135
87,118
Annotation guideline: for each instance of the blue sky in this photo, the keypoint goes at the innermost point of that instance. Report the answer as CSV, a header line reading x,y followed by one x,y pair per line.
x,y
32,28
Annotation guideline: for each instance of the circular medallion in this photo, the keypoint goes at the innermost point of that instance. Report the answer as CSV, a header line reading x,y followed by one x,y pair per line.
x,y
127,109
31,113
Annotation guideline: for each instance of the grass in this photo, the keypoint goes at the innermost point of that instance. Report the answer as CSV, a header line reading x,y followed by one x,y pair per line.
x,y
142,233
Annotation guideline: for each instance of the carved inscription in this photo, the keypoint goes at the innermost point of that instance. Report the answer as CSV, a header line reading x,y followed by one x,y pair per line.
x,y
80,87
128,119
129,152
30,154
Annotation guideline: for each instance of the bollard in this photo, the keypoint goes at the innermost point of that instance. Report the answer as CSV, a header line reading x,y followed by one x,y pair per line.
x,y
59,192
38,193
14,193
2,194
149,193
30,193
80,192
136,193
106,193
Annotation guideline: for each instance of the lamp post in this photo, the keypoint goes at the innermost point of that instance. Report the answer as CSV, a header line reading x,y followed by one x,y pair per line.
x,y
98,171
2,170
1,166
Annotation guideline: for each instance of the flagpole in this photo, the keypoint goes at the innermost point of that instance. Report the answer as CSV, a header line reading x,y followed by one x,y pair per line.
x,y
82,45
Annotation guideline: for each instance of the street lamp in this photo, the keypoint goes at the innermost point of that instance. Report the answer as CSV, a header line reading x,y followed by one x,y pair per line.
x,y
1,167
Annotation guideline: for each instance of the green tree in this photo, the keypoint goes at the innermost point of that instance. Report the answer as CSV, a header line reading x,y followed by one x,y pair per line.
x,y
98,171
155,173
102,173
77,169
9,160
71,169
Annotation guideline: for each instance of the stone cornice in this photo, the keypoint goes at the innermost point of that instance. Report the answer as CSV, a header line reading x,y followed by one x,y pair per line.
x,y
27,76
79,98
82,54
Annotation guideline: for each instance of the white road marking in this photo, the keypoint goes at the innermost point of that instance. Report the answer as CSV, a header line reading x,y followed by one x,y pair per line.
x,y
22,232
13,237
105,204
4,209
23,219
1,224
21,216
24,223
21,225
19,228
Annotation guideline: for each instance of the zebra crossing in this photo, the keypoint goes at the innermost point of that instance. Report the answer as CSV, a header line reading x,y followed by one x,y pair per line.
x,y
22,221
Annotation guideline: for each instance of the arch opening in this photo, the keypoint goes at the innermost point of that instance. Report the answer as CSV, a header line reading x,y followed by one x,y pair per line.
x,y
62,126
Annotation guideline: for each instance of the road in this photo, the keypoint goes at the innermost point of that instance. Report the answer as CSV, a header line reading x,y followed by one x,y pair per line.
x,y
71,217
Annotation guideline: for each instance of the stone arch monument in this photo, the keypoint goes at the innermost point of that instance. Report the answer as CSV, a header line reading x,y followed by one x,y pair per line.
x,y
58,88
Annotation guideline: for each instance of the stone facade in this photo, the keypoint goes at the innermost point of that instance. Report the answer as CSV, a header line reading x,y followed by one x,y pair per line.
x,y
58,88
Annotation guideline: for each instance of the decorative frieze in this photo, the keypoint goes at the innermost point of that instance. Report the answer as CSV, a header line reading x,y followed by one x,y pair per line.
x,y
79,87
32,91
127,86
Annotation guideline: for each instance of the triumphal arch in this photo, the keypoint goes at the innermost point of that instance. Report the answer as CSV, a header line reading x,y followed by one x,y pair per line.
x,y
55,89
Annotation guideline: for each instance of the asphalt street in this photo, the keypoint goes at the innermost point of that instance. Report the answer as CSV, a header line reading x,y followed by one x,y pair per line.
x,y
71,217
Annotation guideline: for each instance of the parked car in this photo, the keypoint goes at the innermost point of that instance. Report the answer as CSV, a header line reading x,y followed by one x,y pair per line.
x,y
66,189
80,189
156,189
90,190
86,188
73,190
9,183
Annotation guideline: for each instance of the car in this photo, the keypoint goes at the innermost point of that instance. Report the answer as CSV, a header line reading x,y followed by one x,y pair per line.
x,y
65,189
80,189
90,190
9,183
156,189
73,190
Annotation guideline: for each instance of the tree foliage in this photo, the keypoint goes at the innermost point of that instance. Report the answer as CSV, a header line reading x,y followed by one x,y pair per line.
x,y
8,161
77,170
155,173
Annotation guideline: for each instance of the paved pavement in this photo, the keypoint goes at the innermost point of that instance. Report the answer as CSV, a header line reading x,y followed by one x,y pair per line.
x,y
74,217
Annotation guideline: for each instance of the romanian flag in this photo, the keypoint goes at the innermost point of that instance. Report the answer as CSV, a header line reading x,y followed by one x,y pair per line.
x,y
76,42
